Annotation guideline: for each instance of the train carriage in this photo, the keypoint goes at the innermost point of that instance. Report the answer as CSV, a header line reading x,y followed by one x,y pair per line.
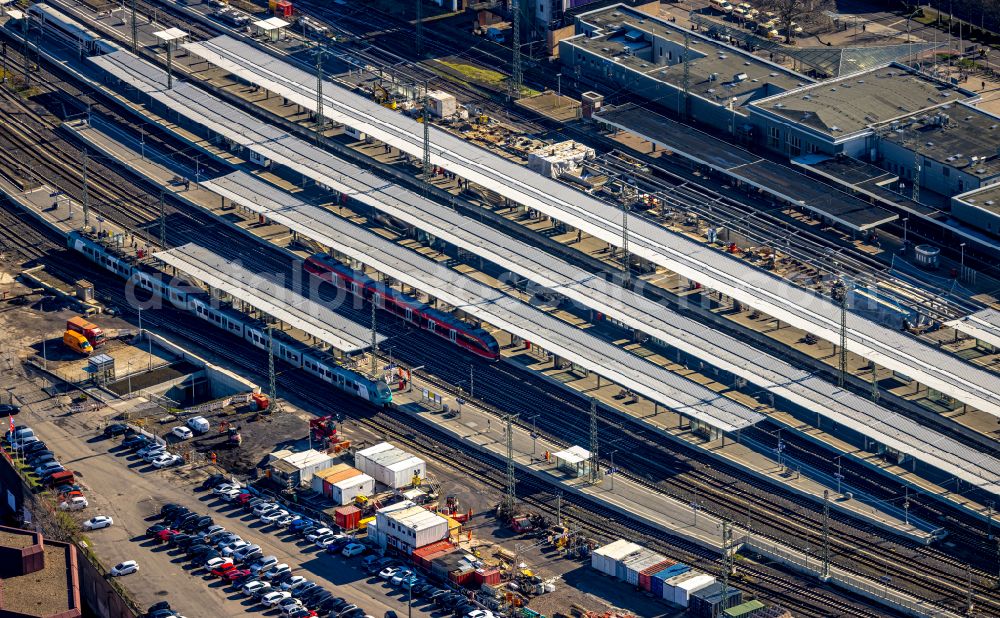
x,y
185,295
421,315
61,26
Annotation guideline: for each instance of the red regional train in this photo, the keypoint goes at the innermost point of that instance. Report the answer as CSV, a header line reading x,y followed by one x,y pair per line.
x,y
421,315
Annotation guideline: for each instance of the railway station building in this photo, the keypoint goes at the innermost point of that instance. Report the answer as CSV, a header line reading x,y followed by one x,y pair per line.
x,y
624,48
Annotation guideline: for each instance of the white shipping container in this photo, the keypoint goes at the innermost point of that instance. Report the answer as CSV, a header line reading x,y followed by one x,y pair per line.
x,y
678,589
442,104
345,491
605,558
401,473
363,458
644,560
694,584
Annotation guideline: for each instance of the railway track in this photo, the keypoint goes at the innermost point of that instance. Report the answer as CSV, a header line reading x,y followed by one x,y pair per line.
x,y
184,232
776,586
827,257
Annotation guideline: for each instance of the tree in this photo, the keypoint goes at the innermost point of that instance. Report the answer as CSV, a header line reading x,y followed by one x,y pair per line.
x,y
788,10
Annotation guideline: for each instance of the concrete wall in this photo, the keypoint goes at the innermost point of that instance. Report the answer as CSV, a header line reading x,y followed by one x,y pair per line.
x,y
222,381
978,217
99,595
935,176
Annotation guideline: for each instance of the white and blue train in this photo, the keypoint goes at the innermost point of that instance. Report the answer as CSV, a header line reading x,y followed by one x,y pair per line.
x,y
62,27
192,298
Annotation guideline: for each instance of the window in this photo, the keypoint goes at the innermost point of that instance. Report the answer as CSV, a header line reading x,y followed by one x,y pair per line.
x,y
774,136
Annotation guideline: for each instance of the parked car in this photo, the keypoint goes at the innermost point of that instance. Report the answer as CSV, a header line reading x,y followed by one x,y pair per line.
x,y
98,522
124,568
319,532
222,569
293,581
273,598
166,460
198,424
155,529
354,549
263,563
117,429
77,503
136,441
270,517
215,563
181,432
251,586
275,570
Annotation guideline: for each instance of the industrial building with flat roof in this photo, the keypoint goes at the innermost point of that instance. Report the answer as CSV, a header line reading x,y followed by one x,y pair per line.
x,y
980,207
626,48
951,150
408,527
839,116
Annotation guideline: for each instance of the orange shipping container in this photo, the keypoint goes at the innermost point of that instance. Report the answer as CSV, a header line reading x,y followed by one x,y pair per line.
x,y
489,576
347,517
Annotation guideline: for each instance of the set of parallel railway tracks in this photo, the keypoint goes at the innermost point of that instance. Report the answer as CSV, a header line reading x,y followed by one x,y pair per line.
x,y
110,193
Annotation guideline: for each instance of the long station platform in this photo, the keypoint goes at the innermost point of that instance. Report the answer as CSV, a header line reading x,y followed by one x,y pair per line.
x,y
757,462
756,288
860,414
622,486
272,298
484,431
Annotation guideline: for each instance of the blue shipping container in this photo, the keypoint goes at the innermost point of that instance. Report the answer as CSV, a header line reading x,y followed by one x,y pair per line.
x,y
672,571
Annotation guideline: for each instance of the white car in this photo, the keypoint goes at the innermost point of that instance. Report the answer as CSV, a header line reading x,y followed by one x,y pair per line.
x,y
275,569
214,563
325,540
166,460
284,521
264,507
315,534
251,586
263,564
273,598
182,432
270,517
221,489
233,547
388,572
77,503
124,568
98,522
231,494
352,549
480,613
155,453
292,581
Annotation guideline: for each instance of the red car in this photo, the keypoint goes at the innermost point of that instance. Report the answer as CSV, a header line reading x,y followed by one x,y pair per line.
x,y
164,535
222,569
233,575
243,499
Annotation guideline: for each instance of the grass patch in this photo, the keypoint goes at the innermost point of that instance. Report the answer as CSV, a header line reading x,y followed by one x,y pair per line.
x,y
484,77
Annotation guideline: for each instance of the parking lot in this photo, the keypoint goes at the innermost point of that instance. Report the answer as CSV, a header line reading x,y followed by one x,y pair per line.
x,y
131,491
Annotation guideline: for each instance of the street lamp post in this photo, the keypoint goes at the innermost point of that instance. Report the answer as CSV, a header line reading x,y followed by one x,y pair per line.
x,y
962,258
130,378
559,84
905,230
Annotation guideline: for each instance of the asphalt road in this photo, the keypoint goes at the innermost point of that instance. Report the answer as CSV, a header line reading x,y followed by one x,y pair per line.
x,y
131,491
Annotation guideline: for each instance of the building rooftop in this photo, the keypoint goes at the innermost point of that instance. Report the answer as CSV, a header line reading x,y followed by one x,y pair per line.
x,y
852,103
51,588
416,517
986,198
307,458
625,35
960,136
